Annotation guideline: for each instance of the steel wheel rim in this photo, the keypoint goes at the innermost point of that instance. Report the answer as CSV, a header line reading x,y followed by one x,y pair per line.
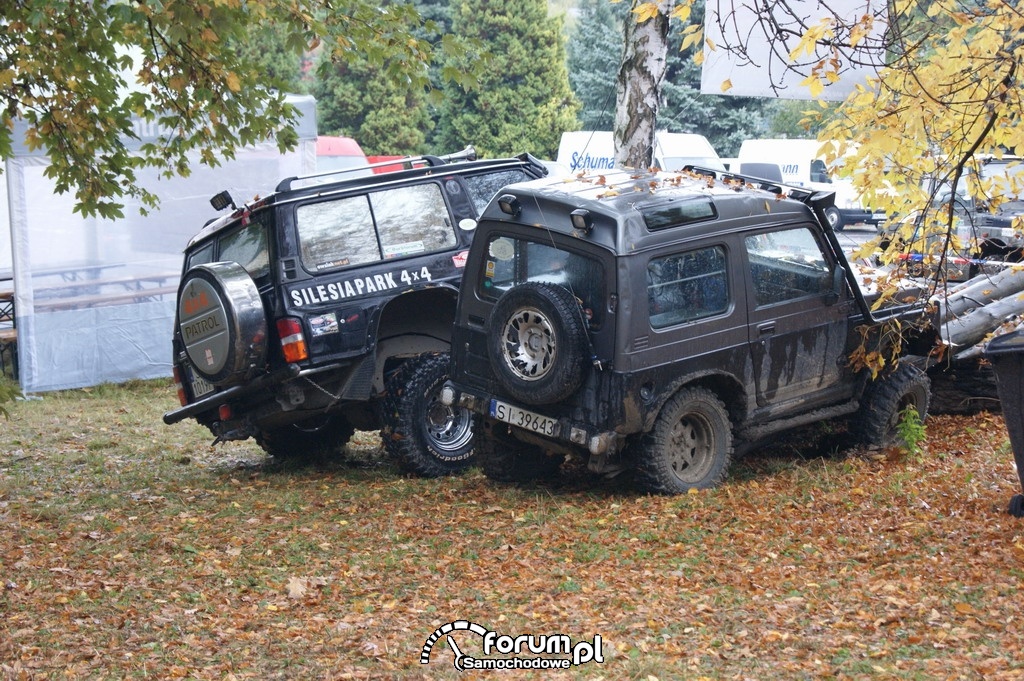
x,y
693,447
529,344
449,429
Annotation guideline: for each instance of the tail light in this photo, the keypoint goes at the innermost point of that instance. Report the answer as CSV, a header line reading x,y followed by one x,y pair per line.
x,y
178,385
293,342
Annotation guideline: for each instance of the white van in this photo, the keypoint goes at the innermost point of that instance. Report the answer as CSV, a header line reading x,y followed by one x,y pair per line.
x,y
594,151
801,165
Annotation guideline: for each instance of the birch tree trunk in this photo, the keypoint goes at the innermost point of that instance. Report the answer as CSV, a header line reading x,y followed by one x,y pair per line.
x,y
980,291
638,86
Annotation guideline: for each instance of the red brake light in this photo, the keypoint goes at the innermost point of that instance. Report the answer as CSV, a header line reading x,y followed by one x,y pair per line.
x,y
293,342
178,386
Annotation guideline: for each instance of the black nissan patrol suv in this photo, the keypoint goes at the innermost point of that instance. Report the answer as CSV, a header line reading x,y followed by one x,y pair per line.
x,y
328,306
657,322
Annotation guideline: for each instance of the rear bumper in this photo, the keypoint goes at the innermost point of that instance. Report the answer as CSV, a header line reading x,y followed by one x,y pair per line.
x,y
214,400
567,431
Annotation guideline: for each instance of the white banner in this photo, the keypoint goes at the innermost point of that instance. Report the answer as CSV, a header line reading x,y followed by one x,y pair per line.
x,y
750,59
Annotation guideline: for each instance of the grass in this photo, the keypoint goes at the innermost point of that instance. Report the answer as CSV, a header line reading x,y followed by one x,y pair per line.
x,y
134,550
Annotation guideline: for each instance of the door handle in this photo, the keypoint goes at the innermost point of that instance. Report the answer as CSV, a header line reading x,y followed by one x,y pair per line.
x,y
766,329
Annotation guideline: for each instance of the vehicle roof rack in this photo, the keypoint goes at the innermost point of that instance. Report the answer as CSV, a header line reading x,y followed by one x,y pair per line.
x,y
467,154
799,193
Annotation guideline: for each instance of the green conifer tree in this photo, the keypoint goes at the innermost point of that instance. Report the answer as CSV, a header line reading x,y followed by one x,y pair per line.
x,y
522,102
594,54
359,100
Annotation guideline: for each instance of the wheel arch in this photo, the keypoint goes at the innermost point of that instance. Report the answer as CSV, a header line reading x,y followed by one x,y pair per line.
x,y
411,324
726,387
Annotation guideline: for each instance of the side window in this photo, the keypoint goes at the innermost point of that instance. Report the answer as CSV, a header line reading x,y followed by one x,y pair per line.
x,y
247,247
687,286
412,220
482,188
787,265
385,224
202,256
336,233
819,171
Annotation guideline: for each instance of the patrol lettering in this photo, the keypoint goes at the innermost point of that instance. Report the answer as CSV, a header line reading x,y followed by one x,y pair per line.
x,y
202,327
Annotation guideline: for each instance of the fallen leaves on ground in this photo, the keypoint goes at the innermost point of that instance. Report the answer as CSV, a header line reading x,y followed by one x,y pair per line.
x,y
132,550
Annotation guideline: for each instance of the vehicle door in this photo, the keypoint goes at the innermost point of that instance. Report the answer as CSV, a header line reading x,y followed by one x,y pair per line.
x,y
797,328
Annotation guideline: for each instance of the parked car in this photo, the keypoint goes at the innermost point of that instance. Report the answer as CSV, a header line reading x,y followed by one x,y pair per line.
x,y
328,306
657,322
984,233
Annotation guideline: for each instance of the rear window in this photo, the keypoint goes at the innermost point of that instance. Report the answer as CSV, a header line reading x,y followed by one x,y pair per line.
x,y
513,261
377,226
482,188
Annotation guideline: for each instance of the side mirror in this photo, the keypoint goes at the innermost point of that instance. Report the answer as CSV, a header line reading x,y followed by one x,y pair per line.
x,y
838,281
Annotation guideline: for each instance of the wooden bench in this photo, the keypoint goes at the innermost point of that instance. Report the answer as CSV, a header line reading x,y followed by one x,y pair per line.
x,y
9,341
90,286
99,300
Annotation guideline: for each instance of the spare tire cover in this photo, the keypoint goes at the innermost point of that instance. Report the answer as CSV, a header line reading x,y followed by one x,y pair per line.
x,y
222,323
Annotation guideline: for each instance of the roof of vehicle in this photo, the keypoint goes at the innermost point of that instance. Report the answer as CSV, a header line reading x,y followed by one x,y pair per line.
x,y
629,210
285,192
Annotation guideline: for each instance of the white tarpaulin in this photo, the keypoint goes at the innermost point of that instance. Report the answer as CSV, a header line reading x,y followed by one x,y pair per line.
x,y
94,298
765,69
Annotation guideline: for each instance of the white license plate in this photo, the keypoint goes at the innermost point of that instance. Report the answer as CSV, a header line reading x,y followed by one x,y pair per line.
x,y
527,420
200,386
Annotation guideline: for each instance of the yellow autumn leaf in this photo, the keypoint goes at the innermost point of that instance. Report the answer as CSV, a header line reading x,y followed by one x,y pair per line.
x,y
645,11
726,85
692,35
814,85
809,40
231,80
682,12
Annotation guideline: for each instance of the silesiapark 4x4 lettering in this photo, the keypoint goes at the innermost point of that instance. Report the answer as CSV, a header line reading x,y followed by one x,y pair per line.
x,y
358,286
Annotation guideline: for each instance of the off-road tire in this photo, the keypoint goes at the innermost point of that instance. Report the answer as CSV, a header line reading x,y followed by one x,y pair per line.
x,y
222,322
877,422
322,438
503,458
689,447
537,343
420,433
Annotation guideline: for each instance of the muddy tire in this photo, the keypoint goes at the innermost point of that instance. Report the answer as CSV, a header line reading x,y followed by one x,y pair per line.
x,y
877,422
690,446
420,433
503,458
222,323
537,343
319,438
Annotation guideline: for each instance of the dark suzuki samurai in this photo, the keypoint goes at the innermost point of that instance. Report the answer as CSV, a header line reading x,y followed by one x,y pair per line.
x,y
328,306
658,321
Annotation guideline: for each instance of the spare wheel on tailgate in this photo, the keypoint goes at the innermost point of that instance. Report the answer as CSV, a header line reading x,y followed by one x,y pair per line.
x,y
222,322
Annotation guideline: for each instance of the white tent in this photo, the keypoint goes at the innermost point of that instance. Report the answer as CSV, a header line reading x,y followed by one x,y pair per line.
x,y
94,298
